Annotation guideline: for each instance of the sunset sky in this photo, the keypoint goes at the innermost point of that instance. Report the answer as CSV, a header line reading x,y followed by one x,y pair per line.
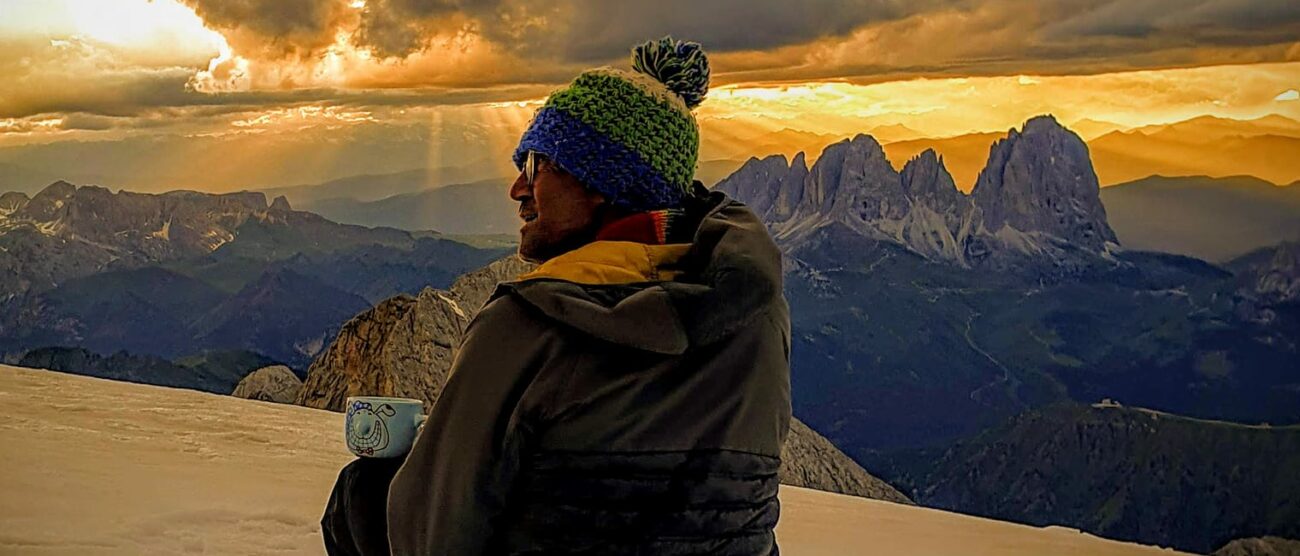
x,y
226,94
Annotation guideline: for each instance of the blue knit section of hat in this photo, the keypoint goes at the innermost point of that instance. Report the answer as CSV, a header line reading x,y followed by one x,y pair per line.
x,y
610,168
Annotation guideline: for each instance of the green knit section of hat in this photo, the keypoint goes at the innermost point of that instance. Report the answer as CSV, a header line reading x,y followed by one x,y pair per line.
x,y
666,139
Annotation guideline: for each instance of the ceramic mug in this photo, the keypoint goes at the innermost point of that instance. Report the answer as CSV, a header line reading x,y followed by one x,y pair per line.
x,y
379,427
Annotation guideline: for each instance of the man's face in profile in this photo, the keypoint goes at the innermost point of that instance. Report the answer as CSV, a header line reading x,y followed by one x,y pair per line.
x,y
559,213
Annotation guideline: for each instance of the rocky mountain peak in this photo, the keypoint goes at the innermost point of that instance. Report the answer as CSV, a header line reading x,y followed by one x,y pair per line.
x,y
790,190
57,190
50,203
758,181
854,183
281,203
1041,180
12,201
927,181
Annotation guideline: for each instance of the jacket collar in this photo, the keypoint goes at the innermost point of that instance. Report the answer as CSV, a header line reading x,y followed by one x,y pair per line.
x,y
613,262
663,298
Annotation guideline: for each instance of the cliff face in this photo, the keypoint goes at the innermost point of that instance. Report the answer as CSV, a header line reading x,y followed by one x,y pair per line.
x,y
402,347
1040,179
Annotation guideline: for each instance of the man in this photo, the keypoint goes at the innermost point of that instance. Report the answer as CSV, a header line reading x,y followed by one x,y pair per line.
x,y
630,395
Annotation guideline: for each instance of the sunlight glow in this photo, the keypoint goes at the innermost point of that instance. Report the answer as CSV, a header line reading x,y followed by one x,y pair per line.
x,y
140,24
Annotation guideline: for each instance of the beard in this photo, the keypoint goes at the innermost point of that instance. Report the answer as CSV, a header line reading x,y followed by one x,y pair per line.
x,y
539,243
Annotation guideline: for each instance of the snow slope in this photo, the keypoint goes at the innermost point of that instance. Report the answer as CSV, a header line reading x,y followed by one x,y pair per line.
x,y
93,466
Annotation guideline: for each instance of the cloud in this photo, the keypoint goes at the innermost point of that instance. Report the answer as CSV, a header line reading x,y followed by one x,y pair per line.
x,y
406,52
274,27
465,43
1290,94
1216,21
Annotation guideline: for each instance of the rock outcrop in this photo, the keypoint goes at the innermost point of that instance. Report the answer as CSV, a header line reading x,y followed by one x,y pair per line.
x,y
810,460
1260,546
473,289
402,347
1268,281
275,383
1279,280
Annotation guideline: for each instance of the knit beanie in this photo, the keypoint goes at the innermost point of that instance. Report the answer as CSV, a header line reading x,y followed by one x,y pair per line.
x,y
629,135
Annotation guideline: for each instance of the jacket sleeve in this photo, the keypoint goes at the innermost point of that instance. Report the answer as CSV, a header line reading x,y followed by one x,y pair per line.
x,y
452,489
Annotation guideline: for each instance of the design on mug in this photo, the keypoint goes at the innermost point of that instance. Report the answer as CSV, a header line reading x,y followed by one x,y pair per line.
x,y
367,431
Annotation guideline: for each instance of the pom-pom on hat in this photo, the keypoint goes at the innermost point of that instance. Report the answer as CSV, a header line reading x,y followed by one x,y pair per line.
x,y
629,135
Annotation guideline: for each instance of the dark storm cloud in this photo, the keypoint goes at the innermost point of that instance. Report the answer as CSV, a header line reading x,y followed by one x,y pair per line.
x,y
281,26
396,28
1251,21
587,30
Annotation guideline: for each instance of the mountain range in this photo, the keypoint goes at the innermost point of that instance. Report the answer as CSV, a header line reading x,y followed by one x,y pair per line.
x,y
924,316
182,272
482,207
1036,200
373,187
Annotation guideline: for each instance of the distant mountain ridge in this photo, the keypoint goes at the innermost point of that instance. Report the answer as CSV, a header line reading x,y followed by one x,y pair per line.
x,y
482,207
174,273
65,231
1216,219
373,187
215,372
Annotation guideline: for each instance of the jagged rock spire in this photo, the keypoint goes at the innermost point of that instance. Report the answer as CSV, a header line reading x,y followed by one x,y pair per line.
x,y
1041,179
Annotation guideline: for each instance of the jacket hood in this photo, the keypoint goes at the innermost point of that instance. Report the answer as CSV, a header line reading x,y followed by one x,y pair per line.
x,y
664,298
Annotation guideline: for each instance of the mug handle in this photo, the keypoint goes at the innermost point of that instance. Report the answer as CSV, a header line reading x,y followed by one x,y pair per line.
x,y
419,423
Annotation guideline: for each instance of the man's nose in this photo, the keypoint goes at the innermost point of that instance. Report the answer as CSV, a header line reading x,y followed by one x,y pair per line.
x,y
519,190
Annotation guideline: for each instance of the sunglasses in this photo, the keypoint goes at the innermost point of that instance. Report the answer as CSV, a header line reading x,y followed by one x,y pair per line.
x,y
534,163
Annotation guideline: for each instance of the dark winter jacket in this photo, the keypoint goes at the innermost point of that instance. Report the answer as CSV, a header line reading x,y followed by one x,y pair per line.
x,y
624,398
